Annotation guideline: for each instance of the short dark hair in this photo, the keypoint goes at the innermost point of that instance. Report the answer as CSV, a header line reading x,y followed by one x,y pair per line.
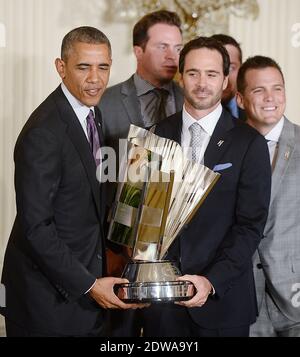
x,y
256,62
140,30
85,34
205,42
228,40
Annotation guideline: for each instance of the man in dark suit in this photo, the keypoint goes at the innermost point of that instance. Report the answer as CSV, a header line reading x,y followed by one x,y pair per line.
x,y
236,59
55,262
216,248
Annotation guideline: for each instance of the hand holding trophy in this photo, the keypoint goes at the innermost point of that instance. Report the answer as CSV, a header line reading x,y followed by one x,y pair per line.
x,y
158,193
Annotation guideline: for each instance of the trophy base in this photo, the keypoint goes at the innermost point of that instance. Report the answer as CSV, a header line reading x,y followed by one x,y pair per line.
x,y
154,282
155,292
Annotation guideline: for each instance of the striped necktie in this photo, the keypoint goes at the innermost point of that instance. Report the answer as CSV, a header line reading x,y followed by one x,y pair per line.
x,y
93,137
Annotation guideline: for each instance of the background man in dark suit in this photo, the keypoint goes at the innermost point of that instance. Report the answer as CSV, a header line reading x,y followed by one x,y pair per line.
x,y
216,248
236,59
54,262
261,92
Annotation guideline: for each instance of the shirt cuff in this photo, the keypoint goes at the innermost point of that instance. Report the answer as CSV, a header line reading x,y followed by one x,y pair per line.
x,y
90,287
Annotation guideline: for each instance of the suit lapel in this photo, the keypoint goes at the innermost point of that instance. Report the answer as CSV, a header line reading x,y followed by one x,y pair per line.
x,y
99,125
219,140
178,95
131,102
286,147
80,143
98,120
174,131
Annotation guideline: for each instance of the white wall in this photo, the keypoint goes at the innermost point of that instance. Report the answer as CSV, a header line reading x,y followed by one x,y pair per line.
x,y
34,30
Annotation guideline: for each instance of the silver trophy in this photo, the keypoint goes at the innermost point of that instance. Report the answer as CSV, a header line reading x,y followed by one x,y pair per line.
x,y
159,192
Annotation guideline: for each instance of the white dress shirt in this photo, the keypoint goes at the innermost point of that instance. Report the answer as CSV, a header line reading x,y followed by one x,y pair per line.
x,y
208,124
80,109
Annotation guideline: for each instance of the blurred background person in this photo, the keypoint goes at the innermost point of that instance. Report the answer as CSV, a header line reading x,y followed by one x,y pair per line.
x,y
150,94
236,59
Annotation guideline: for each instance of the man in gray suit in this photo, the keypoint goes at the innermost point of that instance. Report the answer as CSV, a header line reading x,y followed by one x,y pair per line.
x,y
261,92
150,94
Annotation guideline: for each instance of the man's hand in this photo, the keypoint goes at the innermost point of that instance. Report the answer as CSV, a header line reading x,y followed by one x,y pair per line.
x,y
103,293
203,288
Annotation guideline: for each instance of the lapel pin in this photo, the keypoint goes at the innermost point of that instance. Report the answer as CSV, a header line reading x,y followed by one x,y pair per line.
x,y
220,143
287,155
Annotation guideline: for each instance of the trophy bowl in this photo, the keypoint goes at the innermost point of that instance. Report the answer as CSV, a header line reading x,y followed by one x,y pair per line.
x,y
155,282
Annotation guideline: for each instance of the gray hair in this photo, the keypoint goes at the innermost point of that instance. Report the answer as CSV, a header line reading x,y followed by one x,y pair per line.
x,y
83,34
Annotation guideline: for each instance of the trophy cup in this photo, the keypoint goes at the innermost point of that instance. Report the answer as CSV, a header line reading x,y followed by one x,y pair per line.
x,y
158,193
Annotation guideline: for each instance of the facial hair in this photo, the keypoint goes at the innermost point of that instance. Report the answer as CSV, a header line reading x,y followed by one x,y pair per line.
x,y
202,103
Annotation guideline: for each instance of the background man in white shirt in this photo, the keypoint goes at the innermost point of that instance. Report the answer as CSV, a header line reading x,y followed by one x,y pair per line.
x,y
261,92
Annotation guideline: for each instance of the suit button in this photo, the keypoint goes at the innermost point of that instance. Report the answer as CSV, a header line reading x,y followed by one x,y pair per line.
x,y
259,266
99,256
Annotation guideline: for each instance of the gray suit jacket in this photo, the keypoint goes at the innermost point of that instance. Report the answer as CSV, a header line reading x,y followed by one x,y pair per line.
x,y
120,107
277,264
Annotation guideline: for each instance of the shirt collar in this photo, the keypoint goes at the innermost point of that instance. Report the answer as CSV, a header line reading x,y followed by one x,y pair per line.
x,y
233,107
208,123
143,87
275,133
80,109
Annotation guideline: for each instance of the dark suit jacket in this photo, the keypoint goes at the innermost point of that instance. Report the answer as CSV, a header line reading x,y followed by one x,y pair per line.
x,y
222,237
241,112
55,251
